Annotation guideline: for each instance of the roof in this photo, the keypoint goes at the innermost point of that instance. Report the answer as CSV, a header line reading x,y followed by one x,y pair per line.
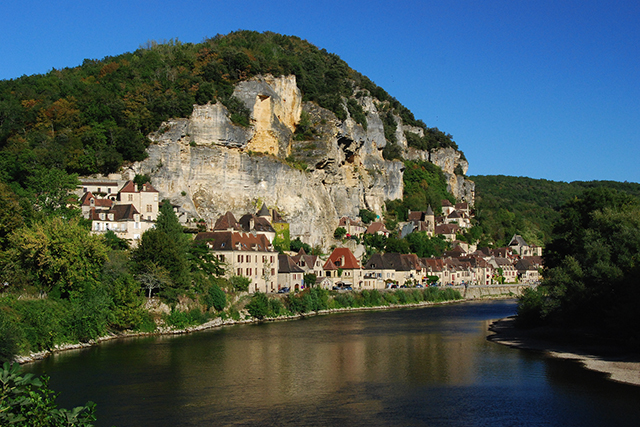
x,y
119,212
259,224
226,222
376,227
88,196
446,203
264,211
234,241
130,187
462,205
447,228
343,258
287,265
517,240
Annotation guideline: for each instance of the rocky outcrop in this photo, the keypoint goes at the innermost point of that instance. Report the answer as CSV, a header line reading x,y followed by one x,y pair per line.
x,y
207,165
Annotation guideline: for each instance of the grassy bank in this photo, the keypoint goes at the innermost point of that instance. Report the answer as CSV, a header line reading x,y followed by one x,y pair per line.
x,y
30,326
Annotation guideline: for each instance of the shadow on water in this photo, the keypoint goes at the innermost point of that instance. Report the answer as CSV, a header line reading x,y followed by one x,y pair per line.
x,y
428,366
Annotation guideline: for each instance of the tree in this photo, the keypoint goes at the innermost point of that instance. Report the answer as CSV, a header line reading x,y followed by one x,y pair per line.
x,y
339,233
398,246
258,307
592,269
58,255
310,279
52,191
367,216
165,246
298,244
240,283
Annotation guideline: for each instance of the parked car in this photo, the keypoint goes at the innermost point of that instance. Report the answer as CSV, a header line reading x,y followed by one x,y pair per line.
x,y
283,290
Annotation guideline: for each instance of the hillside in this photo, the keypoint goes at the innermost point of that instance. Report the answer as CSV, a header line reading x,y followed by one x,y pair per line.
x,y
226,124
94,117
507,205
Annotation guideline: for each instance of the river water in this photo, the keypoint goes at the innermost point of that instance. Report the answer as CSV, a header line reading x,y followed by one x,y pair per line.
x,y
429,366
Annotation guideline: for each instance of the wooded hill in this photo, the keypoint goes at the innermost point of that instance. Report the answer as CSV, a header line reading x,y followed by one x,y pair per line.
x,y
95,117
508,205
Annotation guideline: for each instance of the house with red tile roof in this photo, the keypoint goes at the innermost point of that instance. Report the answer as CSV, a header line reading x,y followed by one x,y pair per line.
x,y
346,263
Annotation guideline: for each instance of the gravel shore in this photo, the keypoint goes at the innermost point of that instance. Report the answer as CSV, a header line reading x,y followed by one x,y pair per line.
x,y
618,363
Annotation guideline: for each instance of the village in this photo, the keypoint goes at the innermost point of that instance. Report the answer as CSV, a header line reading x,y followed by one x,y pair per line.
x,y
245,246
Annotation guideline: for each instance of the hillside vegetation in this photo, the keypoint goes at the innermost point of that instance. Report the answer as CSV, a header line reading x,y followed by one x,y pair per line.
x,y
95,117
507,205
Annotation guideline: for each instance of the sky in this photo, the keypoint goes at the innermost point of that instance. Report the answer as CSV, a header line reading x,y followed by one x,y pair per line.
x,y
543,89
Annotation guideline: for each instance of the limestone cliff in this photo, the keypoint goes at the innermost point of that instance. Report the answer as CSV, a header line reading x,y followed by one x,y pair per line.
x,y
208,165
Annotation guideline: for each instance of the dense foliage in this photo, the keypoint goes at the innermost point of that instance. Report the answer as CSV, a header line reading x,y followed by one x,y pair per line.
x,y
315,299
424,185
507,205
592,267
27,401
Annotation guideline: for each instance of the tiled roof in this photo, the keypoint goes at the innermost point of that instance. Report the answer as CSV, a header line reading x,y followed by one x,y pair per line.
x,y
226,222
287,265
446,228
234,241
259,224
376,227
99,203
343,258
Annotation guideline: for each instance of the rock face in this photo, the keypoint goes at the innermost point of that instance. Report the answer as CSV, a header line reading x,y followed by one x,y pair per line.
x,y
208,166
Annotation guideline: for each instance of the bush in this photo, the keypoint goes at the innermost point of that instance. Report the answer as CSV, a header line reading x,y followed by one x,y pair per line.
x,y
339,233
27,401
10,338
240,283
215,297
258,307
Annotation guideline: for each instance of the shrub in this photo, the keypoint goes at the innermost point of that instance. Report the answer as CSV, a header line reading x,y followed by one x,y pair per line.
x,y
240,283
215,297
28,401
258,307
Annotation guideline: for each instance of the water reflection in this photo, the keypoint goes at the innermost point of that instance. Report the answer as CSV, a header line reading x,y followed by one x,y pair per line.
x,y
428,366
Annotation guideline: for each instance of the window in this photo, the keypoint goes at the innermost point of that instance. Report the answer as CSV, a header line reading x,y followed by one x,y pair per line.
x,y
130,197
273,271
239,258
136,225
149,208
248,272
221,258
239,272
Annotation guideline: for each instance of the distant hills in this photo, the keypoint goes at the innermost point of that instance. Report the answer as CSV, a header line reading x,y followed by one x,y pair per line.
x,y
508,205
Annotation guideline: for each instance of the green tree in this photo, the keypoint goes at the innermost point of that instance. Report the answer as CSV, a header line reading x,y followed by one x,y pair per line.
x,y
258,307
165,246
56,255
592,273
27,401
339,233
240,283
367,216
51,191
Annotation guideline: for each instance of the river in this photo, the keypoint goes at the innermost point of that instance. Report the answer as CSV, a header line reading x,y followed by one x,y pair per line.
x,y
428,366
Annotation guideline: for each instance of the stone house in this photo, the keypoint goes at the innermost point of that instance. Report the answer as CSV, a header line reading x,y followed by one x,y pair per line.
x,y
519,246
289,274
377,228
245,254
346,263
353,227
310,264
128,213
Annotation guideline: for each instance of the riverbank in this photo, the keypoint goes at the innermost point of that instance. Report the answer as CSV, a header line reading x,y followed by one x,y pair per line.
x,y
218,322
617,363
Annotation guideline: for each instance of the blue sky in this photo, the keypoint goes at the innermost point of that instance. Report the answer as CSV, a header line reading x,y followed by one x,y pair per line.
x,y
544,89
